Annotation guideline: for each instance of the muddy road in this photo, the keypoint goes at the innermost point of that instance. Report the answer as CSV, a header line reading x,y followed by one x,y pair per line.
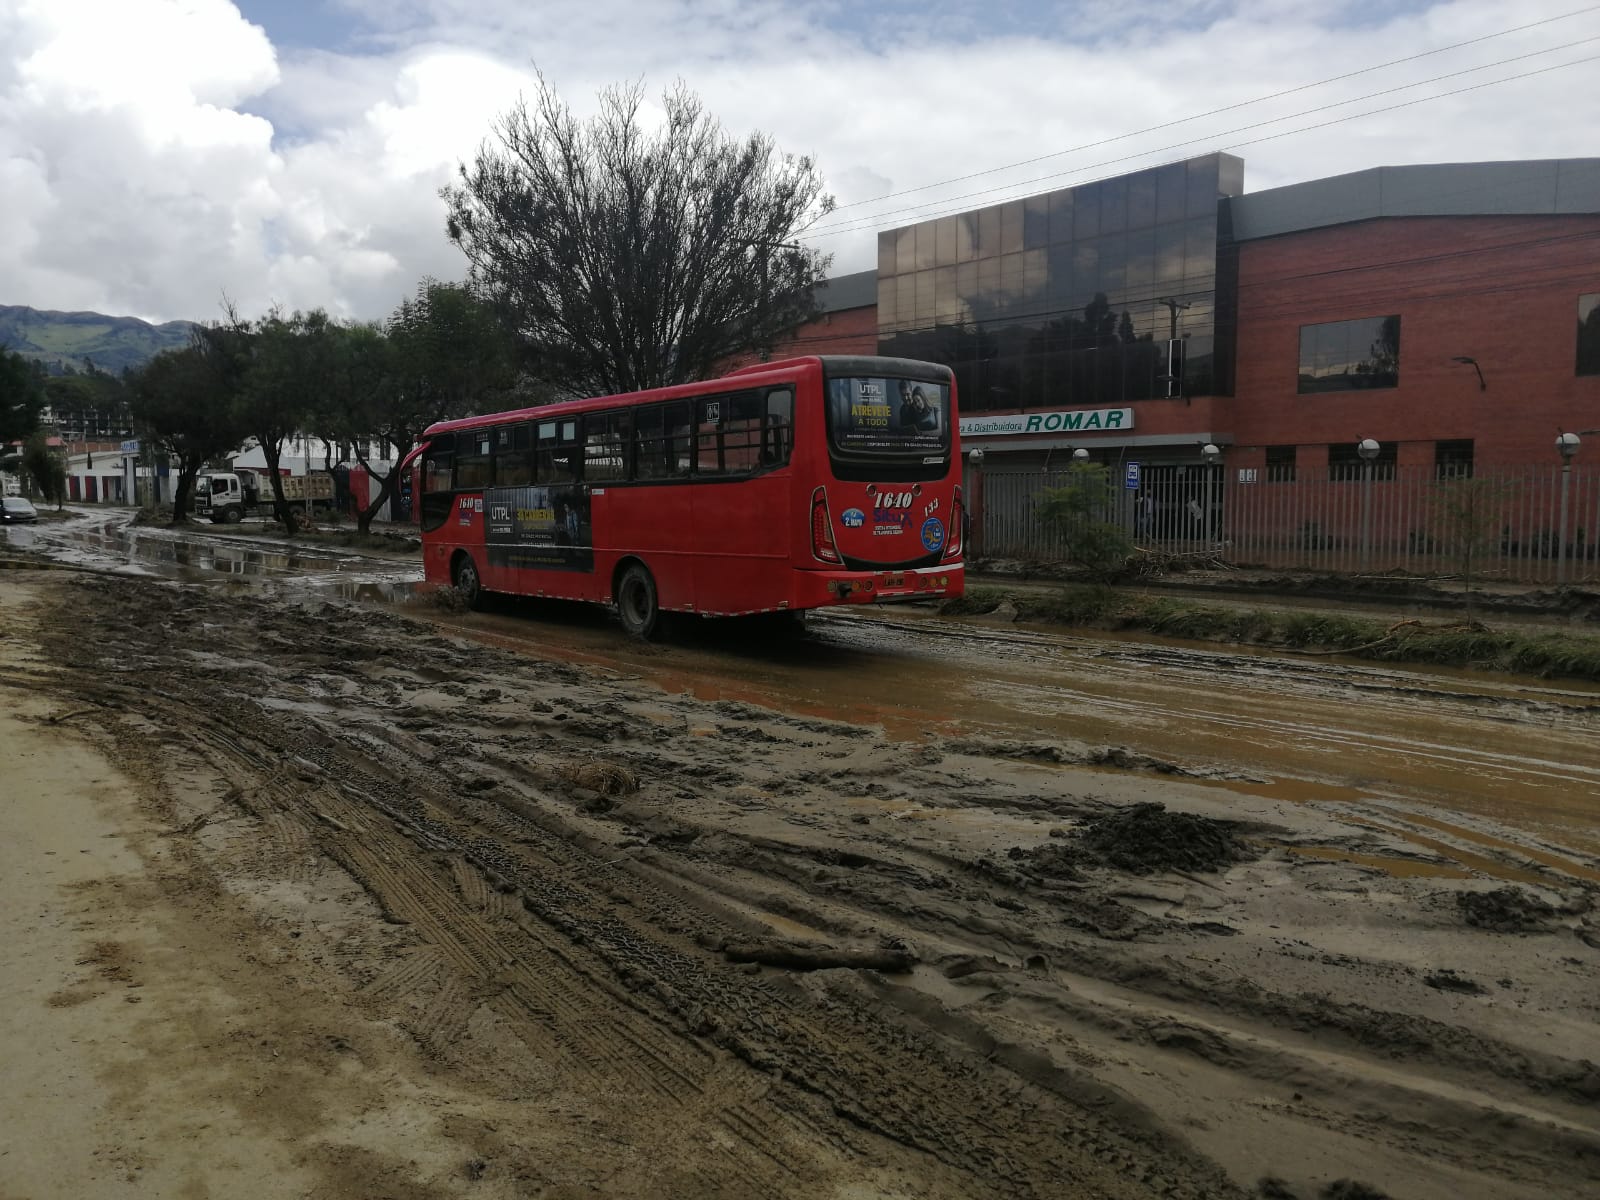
x,y
908,908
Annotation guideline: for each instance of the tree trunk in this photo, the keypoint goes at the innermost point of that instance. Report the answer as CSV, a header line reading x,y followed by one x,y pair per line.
x,y
270,451
188,468
386,489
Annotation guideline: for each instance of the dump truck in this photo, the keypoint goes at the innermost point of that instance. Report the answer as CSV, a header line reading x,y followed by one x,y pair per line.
x,y
228,497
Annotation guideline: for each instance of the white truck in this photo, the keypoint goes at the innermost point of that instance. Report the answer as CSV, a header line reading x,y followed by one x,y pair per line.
x,y
227,497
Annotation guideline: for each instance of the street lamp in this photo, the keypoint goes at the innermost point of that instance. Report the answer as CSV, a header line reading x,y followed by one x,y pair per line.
x,y
1080,455
1566,446
1368,449
1212,454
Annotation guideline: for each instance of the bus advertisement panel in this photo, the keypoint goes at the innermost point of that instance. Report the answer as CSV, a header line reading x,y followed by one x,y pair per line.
x,y
780,488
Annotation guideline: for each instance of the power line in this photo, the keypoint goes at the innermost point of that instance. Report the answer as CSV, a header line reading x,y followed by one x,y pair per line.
x,y
857,224
1305,87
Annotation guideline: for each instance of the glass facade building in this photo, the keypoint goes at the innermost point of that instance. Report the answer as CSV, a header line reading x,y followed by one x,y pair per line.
x,y
1088,297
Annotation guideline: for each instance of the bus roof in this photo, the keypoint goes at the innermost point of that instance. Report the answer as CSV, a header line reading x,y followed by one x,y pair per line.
x,y
831,364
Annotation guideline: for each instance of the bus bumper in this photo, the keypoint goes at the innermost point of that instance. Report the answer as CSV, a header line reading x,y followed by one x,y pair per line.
x,y
821,588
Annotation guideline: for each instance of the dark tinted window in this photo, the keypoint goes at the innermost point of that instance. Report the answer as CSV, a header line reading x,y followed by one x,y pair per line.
x,y
1344,355
437,464
1280,464
1345,464
474,459
1589,334
556,458
1453,459
513,455
661,439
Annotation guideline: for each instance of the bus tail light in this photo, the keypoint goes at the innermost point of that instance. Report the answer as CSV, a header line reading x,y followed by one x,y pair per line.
x,y
958,524
822,529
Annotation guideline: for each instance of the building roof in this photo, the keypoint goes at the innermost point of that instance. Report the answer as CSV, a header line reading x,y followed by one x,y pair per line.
x,y
859,290
1549,186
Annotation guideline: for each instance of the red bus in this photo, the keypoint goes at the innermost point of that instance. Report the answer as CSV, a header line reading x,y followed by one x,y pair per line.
x,y
782,487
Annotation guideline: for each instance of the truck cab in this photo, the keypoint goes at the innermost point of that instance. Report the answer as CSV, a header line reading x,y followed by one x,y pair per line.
x,y
224,497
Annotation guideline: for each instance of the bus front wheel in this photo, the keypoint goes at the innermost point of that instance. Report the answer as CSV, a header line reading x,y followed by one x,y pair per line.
x,y
636,603
465,577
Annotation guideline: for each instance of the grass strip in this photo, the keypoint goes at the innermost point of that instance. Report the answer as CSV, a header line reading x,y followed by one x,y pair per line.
x,y
1458,644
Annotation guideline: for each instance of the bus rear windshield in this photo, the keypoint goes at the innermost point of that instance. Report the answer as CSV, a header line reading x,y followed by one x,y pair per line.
x,y
885,417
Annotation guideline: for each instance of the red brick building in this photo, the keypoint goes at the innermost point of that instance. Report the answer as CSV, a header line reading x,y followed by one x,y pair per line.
x,y
1449,312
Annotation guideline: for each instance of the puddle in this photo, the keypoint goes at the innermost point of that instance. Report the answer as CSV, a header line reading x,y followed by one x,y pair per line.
x,y
1555,862
1403,868
1479,863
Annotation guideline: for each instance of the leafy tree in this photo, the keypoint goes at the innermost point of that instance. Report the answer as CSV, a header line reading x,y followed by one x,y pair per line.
x,y
45,465
181,402
292,361
628,260
21,397
443,354
1080,510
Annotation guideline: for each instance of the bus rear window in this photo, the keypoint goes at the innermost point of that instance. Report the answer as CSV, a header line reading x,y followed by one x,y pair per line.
x,y
899,418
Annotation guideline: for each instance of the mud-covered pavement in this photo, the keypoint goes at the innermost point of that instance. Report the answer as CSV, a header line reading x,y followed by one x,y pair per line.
x,y
878,914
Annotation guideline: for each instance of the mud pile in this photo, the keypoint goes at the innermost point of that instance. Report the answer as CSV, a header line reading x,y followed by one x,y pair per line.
x,y
1150,837
1505,910
1140,840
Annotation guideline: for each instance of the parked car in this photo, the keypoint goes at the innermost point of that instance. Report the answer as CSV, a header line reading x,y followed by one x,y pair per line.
x,y
16,509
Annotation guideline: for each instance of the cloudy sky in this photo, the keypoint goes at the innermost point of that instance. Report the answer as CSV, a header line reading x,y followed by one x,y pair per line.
x,y
156,155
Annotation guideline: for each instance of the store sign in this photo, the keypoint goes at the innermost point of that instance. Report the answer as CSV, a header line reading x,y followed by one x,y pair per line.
x,y
1083,420
130,448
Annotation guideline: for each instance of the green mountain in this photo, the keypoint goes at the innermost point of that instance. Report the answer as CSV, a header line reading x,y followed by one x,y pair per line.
x,y
111,343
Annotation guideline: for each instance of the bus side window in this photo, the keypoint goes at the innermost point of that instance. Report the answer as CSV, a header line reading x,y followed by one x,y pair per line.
x,y
741,433
678,426
777,438
661,441
475,461
556,453
513,455
708,436
605,447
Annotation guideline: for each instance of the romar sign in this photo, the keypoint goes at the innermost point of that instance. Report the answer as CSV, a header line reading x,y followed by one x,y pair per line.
x,y
1083,420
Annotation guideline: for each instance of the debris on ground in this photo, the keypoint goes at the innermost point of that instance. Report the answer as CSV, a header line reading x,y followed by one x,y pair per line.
x,y
1141,840
809,956
1447,980
1505,910
599,775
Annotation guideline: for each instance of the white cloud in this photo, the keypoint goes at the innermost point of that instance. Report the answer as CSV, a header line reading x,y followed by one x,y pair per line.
x,y
156,154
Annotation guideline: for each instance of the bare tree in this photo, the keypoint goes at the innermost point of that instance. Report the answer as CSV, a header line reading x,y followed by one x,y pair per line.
x,y
627,260
1468,513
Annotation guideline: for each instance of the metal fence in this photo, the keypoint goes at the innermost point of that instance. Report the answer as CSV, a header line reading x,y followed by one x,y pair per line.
x,y
1530,524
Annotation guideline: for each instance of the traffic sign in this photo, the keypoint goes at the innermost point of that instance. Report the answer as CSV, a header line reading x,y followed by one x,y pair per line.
x,y
1131,477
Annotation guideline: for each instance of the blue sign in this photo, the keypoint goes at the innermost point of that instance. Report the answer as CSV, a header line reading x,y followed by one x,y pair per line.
x,y
1130,478
933,535
852,518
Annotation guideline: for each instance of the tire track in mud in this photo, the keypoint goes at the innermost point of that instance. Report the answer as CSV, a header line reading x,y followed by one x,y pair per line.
x,y
627,979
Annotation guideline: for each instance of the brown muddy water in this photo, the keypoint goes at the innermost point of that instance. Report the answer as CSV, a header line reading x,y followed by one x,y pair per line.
x,y
1294,728
1298,729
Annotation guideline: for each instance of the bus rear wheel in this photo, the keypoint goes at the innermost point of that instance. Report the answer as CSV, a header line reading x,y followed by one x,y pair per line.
x,y
636,603
464,575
